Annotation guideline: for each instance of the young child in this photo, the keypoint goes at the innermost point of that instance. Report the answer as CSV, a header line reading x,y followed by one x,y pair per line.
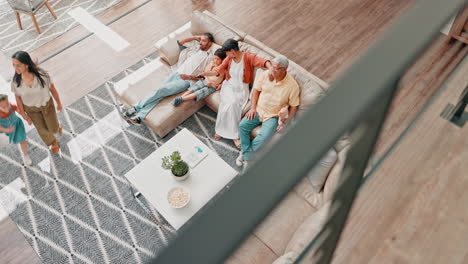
x,y
202,88
13,126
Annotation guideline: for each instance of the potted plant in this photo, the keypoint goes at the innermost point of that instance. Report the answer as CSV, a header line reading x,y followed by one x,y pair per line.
x,y
176,165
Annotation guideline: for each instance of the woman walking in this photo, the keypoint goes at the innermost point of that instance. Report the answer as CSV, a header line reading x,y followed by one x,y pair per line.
x,y
34,91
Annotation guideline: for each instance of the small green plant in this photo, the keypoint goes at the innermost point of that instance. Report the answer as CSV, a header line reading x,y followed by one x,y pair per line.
x,y
175,163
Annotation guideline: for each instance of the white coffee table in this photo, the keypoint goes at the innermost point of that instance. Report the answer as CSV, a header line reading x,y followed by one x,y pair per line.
x,y
210,176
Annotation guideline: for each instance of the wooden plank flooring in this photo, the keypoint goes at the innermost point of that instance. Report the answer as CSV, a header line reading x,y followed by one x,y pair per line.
x,y
91,62
337,36
66,40
13,247
413,210
324,36
420,82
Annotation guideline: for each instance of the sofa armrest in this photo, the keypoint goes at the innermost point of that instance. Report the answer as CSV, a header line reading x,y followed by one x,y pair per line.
x,y
168,48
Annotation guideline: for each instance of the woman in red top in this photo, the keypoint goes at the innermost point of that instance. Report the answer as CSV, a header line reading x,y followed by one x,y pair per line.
x,y
239,69
13,126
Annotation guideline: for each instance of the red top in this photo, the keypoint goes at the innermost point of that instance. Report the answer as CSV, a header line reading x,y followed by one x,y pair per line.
x,y
6,115
250,61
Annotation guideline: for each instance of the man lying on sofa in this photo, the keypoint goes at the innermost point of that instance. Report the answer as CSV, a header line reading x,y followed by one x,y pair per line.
x,y
196,53
270,99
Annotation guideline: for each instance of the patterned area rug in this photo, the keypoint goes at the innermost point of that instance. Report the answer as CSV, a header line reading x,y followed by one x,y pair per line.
x,y
79,208
13,39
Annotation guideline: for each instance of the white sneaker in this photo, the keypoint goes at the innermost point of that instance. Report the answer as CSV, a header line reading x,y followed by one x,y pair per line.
x,y
27,160
246,165
240,160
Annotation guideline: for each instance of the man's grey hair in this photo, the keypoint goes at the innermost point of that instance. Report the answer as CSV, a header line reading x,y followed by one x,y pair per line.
x,y
282,61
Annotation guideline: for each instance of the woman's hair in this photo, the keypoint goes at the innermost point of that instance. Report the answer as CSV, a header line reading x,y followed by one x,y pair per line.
x,y
231,44
23,57
220,53
3,97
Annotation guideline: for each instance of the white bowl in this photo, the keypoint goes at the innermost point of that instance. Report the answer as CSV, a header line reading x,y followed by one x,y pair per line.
x,y
178,197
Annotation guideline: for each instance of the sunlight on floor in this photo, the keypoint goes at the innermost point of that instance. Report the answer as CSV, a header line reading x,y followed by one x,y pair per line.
x,y
11,196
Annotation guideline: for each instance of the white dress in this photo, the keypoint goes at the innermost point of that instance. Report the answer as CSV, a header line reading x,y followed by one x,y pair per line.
x,y
234,96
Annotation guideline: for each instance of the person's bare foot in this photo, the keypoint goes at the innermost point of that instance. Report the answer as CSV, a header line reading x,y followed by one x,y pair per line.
x,y
217,137
60,131
237,143
55,148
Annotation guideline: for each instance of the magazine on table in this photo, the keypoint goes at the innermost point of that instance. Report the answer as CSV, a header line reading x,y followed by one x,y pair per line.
x,y
194,155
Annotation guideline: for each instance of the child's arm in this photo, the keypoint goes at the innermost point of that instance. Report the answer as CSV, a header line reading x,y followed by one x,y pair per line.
x,y
209,73
7,130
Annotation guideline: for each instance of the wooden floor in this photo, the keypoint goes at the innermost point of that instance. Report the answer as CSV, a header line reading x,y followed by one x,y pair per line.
x,y
414,209
324,36
419,83
13,247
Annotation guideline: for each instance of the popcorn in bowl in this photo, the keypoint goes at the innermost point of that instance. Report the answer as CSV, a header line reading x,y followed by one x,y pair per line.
x,y
178,197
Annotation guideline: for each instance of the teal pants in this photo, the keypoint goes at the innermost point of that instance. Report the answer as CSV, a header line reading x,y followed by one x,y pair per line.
x,y
266,132
172,85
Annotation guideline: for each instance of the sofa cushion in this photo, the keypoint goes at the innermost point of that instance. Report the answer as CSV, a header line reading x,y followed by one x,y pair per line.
x,y
318,175
254,50
305,189
142,82
334,177
256,43
311,93
343,142
287,258
202,23
308,230
252,251
278,227
213,100
168,47
164,117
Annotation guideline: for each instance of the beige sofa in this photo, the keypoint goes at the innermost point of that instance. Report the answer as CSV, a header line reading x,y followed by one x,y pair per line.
x,y
164,117
299,216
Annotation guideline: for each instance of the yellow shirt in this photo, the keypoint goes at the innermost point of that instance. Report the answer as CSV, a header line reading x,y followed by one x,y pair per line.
x,y
275,95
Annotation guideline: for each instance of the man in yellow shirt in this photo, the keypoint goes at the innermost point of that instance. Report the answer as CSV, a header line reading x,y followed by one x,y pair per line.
x,y
268,98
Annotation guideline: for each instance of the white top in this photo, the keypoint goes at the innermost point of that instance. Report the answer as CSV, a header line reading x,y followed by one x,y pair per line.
x,y
193,60
234,96
236,70
210,176
34,96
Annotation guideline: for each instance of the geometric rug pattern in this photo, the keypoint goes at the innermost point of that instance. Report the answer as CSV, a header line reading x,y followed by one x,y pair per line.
x,y
13,39
78,207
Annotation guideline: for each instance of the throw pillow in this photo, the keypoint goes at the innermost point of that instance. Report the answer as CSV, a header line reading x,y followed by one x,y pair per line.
x,y
318,175
308,230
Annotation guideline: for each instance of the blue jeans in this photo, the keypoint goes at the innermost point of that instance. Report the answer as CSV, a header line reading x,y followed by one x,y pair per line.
x,y
266,132
172,85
